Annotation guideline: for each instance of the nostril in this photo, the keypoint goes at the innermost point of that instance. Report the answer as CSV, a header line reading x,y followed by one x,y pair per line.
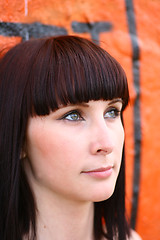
x,y
98,150
104,151
101,148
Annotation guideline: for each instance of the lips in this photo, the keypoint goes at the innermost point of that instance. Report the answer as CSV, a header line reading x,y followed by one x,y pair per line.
x,y
99,169
100,172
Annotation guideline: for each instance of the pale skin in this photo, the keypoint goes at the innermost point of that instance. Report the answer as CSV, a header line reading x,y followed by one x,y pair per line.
x,y
73,154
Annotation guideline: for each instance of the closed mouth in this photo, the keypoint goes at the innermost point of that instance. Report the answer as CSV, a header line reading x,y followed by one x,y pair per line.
x,y
103,169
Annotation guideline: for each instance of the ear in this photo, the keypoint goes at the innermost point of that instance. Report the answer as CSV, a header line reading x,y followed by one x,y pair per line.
x,y
23,153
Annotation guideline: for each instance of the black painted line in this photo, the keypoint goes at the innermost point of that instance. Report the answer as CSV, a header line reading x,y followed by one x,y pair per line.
x,y
27,31
94,28
137,116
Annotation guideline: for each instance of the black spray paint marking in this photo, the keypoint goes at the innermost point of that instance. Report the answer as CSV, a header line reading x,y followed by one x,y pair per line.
x,y
137,117
27,31
38,30
94,28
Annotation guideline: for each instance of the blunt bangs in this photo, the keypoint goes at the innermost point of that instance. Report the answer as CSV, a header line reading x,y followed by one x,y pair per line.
x,y
70,69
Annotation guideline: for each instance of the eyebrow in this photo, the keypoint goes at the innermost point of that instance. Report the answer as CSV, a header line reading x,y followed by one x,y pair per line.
x,y
83,104
115,101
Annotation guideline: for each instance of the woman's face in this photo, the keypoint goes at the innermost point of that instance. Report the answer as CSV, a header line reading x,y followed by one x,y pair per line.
x,y
75,152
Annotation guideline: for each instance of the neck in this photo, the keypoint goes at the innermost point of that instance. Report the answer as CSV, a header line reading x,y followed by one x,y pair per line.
x,y
64,220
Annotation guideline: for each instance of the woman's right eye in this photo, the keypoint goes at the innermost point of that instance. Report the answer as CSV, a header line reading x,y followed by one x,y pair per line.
x,y
73,116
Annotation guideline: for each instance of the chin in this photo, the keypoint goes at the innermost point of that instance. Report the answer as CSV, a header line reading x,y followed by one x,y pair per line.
x,y
98,197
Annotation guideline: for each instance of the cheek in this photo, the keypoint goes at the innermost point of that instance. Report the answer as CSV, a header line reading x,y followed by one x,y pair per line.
x,y
119,137
119,143
50,149
44,164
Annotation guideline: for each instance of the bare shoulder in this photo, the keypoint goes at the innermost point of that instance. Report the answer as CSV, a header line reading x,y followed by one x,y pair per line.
x,y
134,236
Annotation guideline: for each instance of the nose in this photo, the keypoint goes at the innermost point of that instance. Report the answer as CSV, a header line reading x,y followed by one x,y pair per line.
x,y
102,139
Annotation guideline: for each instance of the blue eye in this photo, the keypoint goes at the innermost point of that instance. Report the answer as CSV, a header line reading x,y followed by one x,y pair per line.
x,y
112,113
72,116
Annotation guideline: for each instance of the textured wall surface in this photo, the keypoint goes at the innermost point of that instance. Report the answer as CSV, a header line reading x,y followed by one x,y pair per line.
x,y
130,31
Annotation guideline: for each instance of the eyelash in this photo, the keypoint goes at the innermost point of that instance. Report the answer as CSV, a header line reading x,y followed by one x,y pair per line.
x,y
76,112
115,111
78,115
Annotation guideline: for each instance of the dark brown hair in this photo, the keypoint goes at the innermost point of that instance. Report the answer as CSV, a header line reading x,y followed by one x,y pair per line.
x,y
37,76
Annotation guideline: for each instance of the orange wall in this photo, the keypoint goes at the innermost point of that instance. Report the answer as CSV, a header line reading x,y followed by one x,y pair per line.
x,y
122,27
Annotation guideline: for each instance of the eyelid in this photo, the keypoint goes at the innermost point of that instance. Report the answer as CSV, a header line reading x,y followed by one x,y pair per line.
x,y
117,112
77,111
118,105
117,108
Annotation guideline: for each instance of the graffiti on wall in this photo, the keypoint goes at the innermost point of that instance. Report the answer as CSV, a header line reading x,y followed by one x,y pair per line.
x,y
37,30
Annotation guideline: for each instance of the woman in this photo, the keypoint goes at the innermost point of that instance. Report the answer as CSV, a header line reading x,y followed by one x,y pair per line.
x,y
61,142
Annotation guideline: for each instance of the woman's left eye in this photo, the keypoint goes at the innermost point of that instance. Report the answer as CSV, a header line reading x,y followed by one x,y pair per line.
x,y
73,116
112,113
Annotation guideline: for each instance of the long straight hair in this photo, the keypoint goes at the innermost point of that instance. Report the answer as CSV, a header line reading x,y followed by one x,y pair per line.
x,y
37,76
